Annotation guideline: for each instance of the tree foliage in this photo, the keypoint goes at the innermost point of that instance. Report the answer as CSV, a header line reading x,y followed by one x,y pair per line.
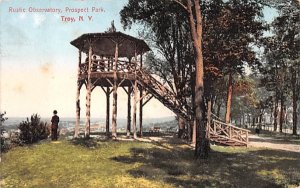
x,y
282,68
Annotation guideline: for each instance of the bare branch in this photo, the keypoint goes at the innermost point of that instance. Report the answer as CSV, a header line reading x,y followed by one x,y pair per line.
x,y
181,4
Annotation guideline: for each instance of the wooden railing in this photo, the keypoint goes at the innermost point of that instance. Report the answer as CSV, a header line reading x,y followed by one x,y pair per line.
x,y
228,131
107,65
161,93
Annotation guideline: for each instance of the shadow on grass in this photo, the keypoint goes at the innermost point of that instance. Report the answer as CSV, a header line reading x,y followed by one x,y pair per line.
x,y
85,142
258,168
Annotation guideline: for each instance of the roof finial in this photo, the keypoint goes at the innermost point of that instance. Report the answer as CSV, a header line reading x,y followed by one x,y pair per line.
x,y
112,28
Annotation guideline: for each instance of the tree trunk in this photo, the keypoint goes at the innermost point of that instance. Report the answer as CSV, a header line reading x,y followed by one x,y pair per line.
x,y
295,94
194,136
181,126
243,120
134,109
249,120
229,98
88,97
275,113
209,107
193,113
202,143
77,125
281,113
260,120
129,112
107,110
219,109
115,95
141,113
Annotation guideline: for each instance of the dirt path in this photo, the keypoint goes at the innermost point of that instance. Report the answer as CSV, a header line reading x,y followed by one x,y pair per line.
x,y
255,141
272,143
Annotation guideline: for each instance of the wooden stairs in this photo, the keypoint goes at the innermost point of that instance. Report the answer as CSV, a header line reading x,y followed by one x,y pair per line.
x,y
227,134
161,93
218,132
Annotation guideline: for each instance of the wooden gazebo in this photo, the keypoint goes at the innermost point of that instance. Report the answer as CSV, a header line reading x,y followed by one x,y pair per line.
x,y
112,60
115,60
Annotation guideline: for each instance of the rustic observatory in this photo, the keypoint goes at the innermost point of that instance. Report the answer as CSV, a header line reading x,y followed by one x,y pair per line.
x,y
114,60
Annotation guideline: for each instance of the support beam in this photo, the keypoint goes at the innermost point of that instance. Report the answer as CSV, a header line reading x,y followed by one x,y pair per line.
x,y
141,101
115,94
147,100
141,113
135,97
134,109
88,97
77,126
107,110
128,130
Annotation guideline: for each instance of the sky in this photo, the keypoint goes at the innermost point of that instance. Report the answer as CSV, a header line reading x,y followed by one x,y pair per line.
x,y
38,65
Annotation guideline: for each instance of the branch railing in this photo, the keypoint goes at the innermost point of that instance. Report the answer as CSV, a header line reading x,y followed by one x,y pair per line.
x,y
107,65
161,92
228,131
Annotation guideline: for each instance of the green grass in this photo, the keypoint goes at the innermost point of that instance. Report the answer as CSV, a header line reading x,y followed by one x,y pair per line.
x,y
94,163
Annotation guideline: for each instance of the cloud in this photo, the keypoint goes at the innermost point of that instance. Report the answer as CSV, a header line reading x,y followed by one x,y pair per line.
x,y
18,88
38,19
46,68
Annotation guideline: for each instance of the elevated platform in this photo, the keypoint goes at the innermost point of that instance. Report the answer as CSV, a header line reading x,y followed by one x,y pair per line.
x,y
106,79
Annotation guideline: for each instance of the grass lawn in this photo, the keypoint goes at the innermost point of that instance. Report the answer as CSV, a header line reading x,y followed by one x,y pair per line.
x,y
91,163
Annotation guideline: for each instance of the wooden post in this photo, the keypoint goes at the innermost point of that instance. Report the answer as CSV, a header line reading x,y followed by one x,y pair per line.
x,y
107,110
134,109
141,102
129,111
135,96
215,128
88,97
115,95
76,132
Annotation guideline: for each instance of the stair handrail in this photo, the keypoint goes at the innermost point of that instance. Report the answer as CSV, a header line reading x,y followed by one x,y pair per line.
x,y
243,133
215,116
171,95
230,125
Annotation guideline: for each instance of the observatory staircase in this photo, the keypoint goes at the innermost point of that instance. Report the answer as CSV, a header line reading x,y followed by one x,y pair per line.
x,y
218,132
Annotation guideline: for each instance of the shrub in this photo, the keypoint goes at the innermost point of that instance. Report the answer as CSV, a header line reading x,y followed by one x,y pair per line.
x,y
33,130
3,144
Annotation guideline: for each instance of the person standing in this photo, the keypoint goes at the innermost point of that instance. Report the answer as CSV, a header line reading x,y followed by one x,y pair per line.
x,y
54,126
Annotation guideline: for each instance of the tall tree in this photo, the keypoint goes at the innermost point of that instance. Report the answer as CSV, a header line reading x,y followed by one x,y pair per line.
x,y
240,26
167,32
287,28
283,59
193,15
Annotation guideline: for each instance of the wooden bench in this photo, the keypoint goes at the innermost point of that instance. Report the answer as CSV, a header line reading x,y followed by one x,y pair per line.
x,y
155,130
